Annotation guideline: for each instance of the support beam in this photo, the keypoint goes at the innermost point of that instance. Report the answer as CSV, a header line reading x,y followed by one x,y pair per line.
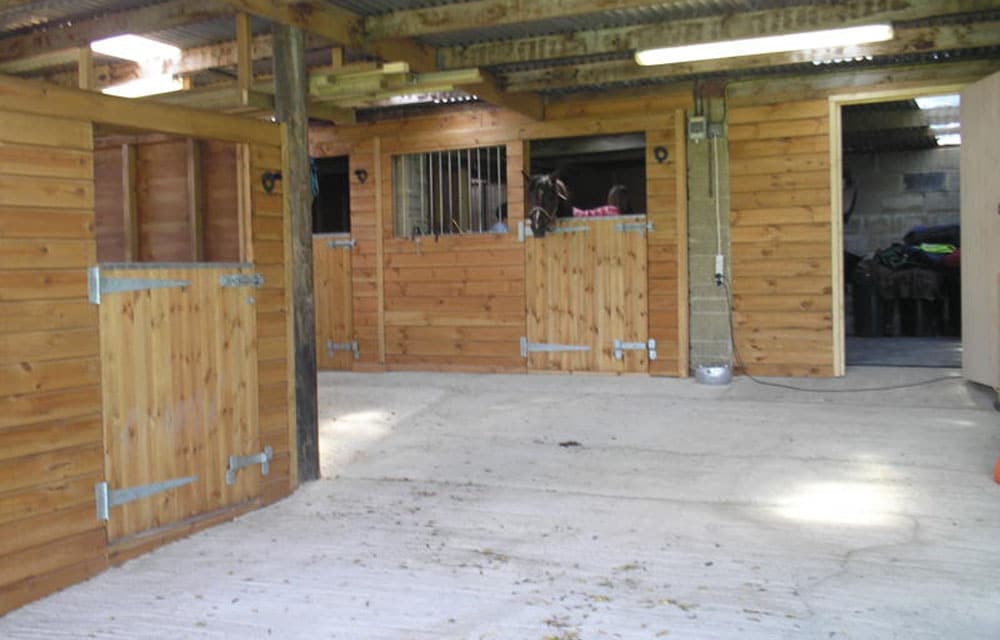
x,y
195,200
85,70
338,25
82,33
130,205
707,29
291,87
907,41
244,57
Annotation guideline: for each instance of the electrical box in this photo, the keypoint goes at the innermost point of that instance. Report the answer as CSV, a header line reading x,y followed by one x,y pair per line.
x,y
697,128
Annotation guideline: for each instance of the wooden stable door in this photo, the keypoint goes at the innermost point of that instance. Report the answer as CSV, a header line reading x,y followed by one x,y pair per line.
x,y
586,289
335,345
179,376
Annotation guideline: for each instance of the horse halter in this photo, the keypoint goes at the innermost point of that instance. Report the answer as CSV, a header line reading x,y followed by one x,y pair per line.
x,y
540,217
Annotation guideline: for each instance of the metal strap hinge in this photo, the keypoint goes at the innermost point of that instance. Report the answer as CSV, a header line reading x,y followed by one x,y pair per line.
x,y
621,347
333,347
98,285
239,462
524,230
107,498
241,280
548,347
635,227
341,244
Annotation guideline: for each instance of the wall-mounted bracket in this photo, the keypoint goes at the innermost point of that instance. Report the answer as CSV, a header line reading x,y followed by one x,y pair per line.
x,y
548,347
333,347
621,347
98,285
240,462
341,244
107,498
241,280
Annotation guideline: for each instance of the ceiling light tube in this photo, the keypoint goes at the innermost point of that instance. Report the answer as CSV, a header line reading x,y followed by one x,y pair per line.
x,y
767,44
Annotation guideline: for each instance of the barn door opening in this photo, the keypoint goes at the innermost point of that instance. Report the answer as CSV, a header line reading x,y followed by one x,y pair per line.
x,y
901,231
586,279
179,374
336,345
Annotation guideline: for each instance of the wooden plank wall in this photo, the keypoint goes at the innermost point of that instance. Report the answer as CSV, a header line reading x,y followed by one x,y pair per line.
x,y
781,238
458,303
268,252
333,296
162,201
50,396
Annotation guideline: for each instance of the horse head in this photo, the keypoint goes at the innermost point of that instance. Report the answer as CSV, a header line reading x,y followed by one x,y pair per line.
x,y
548,199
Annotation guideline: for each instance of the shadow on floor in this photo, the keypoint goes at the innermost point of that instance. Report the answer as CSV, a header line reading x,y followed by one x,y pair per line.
x,y
905,352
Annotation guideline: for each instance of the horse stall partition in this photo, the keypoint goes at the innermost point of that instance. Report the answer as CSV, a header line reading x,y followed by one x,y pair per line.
x,y
164,408
586,283
336,347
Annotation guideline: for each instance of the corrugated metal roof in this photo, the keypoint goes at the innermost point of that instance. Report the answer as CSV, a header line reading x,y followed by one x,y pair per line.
x,y
58,11
204,33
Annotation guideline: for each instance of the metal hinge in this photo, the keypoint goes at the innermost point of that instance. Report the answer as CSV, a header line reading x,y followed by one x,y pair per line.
x,y
342,244
621,347
524,230
333,347
548,347
239,462
635,227
98,285
107,498
241,280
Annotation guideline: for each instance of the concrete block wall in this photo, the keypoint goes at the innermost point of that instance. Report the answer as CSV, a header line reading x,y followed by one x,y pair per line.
x,y
709,305
886,209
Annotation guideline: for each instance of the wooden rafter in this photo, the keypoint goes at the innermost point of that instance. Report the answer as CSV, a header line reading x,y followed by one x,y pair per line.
x,y
82,32
706,29
482,14
907,41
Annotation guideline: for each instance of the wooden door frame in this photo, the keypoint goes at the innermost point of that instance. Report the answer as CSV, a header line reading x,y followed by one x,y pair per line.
x,y
837,101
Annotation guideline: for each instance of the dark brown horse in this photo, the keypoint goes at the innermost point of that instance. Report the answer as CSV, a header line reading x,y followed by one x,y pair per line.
x,y
547,200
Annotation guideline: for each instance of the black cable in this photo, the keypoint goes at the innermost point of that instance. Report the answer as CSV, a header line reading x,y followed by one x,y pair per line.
x,y
721,280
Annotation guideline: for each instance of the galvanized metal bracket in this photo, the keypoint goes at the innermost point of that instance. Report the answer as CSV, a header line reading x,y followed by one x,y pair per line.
x,y
524,230
241,280
635,227
548,347
107,498
621,347
333,347
98,285
240,462
342,244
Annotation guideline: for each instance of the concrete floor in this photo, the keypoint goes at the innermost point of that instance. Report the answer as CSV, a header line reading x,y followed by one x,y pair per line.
x,y
686,511
905,352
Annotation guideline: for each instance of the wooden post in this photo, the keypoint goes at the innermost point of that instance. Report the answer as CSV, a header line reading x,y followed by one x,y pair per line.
x,y
244,57
291,83
196,202
130,204
85,69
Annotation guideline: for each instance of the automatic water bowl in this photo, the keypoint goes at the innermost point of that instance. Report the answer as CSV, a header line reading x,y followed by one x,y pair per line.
x,y
714,374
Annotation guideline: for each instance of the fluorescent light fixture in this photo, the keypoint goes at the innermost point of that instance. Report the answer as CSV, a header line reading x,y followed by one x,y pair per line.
x,y
946,126
767,44
145,87
949,139
937,102
135,48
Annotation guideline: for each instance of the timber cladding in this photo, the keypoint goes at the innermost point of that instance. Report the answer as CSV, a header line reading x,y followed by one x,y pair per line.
x,y
51,443
780,230
460,302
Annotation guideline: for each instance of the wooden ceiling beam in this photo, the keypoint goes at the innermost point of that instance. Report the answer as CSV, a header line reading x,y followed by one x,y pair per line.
x,y
482,14
706,29
338,25
138,21
907,41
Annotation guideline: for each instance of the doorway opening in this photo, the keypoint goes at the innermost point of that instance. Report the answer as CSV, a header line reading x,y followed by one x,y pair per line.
x,y
901,237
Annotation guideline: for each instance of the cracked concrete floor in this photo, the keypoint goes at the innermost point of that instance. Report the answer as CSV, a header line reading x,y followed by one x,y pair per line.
x,y
450,510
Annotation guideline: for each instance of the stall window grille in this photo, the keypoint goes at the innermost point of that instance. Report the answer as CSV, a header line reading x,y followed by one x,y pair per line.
x,y
450,192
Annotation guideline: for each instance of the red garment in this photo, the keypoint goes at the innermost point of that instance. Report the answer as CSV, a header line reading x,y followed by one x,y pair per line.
x,y
597,212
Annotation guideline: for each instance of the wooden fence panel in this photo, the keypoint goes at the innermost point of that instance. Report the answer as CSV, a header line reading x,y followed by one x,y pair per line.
x,y
334,308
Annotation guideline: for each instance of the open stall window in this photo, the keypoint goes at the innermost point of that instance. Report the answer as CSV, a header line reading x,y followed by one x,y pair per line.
x,y
597,170
450,192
